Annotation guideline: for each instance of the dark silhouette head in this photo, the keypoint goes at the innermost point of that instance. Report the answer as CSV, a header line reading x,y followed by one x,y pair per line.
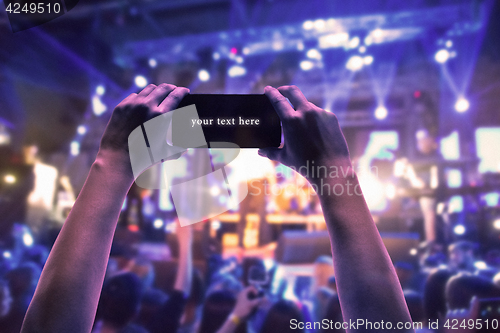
x,y
120,299
462,287
279,316
217,307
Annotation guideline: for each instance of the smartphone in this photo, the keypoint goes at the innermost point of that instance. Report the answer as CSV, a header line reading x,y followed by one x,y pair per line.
x,y
249,121
258,277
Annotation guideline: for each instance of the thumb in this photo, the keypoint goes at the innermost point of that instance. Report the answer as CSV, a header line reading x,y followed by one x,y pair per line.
x,y
271,153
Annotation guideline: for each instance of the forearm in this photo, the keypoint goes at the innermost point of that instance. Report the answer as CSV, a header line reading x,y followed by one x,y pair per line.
x,y
366,280
184,269
68,291
229,326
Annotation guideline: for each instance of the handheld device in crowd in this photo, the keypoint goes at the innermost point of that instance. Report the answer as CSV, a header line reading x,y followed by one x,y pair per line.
x,y
258,277
248,121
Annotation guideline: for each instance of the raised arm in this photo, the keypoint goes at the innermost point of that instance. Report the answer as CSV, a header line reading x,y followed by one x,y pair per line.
x,y
67,294
185,267
314,145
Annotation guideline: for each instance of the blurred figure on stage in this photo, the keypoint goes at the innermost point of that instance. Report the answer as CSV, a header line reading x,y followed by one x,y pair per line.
x,y
424,175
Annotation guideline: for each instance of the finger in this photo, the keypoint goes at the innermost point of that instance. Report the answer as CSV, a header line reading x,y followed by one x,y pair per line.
x,y
159,94
296,97
474,307
173,99
279,102
127,99
146,91
274,154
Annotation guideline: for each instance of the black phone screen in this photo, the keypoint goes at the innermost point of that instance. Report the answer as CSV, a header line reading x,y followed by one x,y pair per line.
x,y
248,121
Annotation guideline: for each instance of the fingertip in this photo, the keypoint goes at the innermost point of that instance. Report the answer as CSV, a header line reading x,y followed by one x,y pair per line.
x,y
261,153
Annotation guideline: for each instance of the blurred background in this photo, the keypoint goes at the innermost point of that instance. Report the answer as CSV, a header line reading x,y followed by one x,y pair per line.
x,y
415,85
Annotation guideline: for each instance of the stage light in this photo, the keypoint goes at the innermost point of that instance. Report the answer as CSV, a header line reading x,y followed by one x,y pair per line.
x,y
368,60
216,55
75,148
7,254
234,50
100,90
442,56
377,34
496,224
278,45
28,239
216,225
480,265
319,24
381,112
140,81
306,65
245,50
158,223
239,59
203,75
81,130
355,63
214,190
492,199
9,179
413,252
97,106
152,63
362,49
236,71
462,105
354,42
333,40
308,25
448,43
300,46
454,178
314,54
368,40
459,230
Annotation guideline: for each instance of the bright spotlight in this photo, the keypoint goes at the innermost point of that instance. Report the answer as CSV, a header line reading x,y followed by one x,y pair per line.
x,y
216,225
152,63
367,60
100,90
362,49
216,56
462,105
97,106
381,112
306,65
442,56
158,223
9,179
314,54
28,239
81,130
236,70
354,42
239,59
203,75
480,265
448,43
459,230
319,24
355,63
496,224
308,25
413,252
140,81
214,190
75,148
377,34
7,254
